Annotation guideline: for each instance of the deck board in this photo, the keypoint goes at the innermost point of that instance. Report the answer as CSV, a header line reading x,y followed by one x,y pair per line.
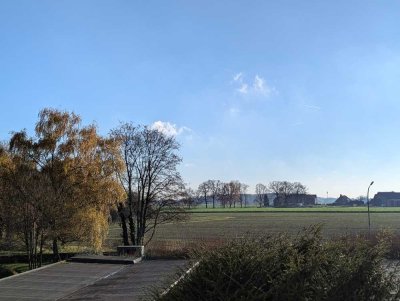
x,y
90,281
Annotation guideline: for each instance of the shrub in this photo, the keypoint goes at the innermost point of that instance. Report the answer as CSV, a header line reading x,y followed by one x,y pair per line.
x,y
5,272
282,268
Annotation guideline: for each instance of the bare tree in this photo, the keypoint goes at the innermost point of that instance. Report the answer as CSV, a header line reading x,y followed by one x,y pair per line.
x,y
223,194
362,199
190,198
215,188
153,186
243,195
234,192
261,194
283,189
126,136
298,188
230,193
204,189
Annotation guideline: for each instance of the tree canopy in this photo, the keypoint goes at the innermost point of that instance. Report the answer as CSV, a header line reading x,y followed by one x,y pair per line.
x,y
59,184
152,183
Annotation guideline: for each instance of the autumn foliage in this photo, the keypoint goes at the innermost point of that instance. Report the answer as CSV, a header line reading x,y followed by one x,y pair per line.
x,y
58,185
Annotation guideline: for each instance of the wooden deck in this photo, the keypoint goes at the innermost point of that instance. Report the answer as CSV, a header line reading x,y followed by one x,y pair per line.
x,y
90,281
131,283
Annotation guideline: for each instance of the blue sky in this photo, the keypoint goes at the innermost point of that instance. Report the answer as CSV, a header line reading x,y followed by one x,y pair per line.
x,y
254,90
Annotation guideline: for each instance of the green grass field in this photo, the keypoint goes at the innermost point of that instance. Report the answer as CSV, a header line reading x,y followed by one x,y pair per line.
x,y
215,225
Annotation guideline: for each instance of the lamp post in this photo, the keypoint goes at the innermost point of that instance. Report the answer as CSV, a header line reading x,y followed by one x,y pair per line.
x,y
369,219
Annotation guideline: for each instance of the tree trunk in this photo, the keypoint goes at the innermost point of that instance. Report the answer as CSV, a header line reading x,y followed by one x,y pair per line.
x,y
35,251
56,253
27,248
41,249
122,217
132,229
125,237
131,222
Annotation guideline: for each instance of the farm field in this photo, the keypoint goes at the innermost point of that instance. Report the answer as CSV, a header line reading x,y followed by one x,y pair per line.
x,y
203,209
206,227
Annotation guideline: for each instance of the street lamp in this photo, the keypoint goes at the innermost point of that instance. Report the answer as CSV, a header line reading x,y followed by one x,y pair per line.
x,y
369,219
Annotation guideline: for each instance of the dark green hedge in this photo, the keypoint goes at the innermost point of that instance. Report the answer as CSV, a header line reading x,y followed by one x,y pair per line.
x,y
283,268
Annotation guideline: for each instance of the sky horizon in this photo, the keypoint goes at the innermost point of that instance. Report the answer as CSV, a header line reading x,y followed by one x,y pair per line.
x,y
254,91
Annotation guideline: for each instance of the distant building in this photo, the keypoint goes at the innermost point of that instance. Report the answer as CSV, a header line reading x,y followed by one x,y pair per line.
x,y
295,200
344,200
386,199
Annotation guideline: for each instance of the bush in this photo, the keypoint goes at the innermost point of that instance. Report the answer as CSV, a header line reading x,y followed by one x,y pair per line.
x,y
282,268
5,272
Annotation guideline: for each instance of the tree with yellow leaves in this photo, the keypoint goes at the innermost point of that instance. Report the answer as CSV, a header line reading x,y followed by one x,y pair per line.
x,y
76,171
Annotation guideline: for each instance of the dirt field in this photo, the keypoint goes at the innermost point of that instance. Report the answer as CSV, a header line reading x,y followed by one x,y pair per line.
x,y
215,227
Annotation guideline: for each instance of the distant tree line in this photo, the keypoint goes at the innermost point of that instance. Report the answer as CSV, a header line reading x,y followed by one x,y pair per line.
x,y
212,193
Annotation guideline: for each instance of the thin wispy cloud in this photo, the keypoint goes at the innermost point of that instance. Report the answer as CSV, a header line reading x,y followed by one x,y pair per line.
x,y
233,111
256,87
168,128
243,89
259,84
238,77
